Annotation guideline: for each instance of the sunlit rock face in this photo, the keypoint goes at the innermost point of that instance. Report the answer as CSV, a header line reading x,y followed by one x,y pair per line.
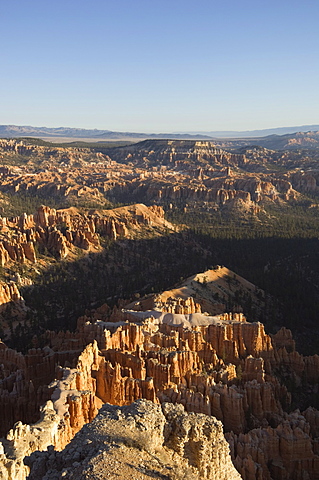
x,y
143,440
220,367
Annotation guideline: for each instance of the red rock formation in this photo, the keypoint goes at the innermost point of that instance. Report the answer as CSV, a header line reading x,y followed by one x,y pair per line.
x,y
231,370
9,293
59,230
283,339
177,305
73,403
284,452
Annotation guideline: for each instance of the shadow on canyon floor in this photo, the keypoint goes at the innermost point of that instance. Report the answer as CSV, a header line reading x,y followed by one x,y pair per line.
x,y
287,269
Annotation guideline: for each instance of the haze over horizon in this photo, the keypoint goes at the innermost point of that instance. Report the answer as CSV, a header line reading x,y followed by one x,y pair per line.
x,y
60,132
160,66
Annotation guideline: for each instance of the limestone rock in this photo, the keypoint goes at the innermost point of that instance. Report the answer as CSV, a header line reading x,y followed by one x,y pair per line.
x,y
142,442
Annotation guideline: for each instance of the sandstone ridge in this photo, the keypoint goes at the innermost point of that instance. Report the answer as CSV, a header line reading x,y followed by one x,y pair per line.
x,y
61,230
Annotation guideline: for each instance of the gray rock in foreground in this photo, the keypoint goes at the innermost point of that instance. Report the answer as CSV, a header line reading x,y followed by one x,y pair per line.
x,y
139,442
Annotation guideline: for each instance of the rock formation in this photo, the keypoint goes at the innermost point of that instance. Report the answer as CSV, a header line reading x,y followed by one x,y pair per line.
x,y
72,404
155,171
59,231
142,441
9,292
221,366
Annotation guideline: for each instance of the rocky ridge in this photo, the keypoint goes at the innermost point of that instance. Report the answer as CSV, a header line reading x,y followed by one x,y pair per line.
x,y
229,369
209,291
61,232
143,441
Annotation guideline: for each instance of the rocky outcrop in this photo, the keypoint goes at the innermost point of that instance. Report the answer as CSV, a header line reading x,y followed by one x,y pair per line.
x,y
167,152
126,369
142,441
260,188
305,181
283,339
198,193
9,292
59,231
72,404
128,221
177,305
225,370
16,248
285,452
223,367
24,382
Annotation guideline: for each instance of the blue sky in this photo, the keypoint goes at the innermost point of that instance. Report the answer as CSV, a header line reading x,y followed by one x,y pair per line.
x,y
160,66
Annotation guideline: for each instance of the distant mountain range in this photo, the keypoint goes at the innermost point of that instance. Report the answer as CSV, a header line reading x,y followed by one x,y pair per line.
x,y
259,133
96,135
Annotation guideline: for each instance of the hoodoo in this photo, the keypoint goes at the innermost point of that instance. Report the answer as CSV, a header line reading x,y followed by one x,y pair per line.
x,y
200,376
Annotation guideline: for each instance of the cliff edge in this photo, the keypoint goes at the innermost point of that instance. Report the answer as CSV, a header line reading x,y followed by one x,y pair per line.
x,y
141,441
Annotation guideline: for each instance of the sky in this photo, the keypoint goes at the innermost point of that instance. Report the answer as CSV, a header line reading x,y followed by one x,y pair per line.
x,y
159,66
